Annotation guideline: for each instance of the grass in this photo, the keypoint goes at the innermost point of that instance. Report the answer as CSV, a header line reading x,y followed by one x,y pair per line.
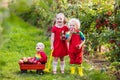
x,y
20,39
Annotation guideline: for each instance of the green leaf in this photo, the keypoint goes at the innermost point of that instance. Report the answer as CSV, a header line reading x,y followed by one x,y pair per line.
x,y
43,4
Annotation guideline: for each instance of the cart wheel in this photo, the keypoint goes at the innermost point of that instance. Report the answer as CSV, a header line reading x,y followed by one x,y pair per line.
x,y
23,71
41,72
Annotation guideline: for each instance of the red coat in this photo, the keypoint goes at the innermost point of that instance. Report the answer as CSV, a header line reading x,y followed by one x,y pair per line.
x,y
60,46
43,58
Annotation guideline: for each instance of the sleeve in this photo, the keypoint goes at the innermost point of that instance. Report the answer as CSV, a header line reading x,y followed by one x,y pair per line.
x,y
82,36
67,35
66,29
43,58
66,32
53,29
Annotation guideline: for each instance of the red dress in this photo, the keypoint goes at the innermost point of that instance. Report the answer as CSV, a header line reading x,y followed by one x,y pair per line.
x,y
60,46
75,54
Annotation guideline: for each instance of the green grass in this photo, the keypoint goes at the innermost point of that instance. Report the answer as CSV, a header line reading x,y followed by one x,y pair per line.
x,y
20,39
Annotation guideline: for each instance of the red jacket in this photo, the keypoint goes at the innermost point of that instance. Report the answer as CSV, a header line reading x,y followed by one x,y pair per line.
x,y
43,58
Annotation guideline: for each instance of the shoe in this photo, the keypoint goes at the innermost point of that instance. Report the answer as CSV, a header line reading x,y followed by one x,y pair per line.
x,y
62,71
54,72
80,71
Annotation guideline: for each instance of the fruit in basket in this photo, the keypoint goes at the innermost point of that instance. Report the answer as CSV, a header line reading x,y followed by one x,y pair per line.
x,y
20,62
38,62
25,59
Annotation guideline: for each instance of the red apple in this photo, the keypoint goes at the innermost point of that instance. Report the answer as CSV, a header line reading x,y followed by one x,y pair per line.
x,y
114,25
112,41
106,21
118,43
97,21
97,26
109,13
20,62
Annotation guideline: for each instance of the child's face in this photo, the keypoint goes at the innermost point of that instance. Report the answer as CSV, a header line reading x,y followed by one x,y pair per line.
x,y
59,19
73,26
39,47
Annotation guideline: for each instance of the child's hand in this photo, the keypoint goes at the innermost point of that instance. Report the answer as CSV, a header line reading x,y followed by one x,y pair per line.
x,y
52,47
78,46
31,60
63,37
72,30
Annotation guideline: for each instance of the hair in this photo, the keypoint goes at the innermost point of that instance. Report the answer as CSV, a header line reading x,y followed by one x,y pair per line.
x,y
74,20
65,19
40,43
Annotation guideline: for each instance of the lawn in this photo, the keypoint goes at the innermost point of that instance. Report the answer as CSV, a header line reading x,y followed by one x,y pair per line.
x,y
20,39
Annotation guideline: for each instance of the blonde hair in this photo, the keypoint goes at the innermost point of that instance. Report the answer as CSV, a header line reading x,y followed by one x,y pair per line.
x,y
40,43
65,19
74,20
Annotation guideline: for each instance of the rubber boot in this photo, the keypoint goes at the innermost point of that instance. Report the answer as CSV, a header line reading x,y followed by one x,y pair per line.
x,y
80,71
72,70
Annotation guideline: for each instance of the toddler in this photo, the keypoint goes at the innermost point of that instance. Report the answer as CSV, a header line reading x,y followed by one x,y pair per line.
x,y
40,57
76,40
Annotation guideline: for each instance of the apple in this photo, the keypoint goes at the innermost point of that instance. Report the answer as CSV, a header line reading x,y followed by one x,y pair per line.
x,y
112,41
20,62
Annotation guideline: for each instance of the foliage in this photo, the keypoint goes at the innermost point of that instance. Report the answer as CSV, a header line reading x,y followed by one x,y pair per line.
x,y
114,38
116,65
20,6
95,76
38,13
4,13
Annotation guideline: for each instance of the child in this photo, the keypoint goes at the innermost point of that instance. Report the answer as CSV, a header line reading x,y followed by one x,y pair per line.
x,y
58,43
40,57
76,40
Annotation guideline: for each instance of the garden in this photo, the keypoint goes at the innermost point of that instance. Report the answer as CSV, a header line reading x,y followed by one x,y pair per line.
x,y
23,23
